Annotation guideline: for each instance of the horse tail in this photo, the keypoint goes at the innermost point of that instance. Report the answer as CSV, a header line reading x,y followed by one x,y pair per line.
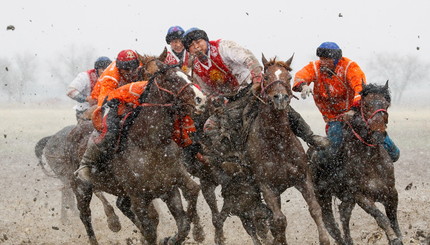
x,y
38,150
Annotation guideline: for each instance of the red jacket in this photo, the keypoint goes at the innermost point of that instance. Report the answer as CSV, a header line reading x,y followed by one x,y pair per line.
x,y
336,94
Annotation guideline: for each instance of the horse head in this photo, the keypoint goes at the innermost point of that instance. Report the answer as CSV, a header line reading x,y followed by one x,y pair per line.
x,y
373,109
275,87
175,83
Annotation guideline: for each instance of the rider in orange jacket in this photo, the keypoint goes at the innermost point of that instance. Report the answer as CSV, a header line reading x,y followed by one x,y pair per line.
x,y
122,71
118,73
337,83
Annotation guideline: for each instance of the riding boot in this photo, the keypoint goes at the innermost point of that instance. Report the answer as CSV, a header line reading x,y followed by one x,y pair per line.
x,y
301,129
392,149
93,154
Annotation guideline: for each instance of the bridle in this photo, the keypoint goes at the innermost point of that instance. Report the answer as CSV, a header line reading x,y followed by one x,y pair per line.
x,y
366,120
153,80
263,95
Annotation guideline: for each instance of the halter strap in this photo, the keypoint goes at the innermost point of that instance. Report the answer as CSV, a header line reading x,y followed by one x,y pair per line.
x,y
371,116
358,136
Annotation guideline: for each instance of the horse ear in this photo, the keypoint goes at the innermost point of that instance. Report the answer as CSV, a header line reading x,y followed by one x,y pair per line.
x,y
264,60
290,60
386,85
140,57
163,55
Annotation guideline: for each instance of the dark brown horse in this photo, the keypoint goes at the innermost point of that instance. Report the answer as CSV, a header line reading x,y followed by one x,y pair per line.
x,y
150,166
277,158
363,173
52,150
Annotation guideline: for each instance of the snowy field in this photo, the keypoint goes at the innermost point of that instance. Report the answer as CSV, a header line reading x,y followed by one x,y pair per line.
x,y
30,201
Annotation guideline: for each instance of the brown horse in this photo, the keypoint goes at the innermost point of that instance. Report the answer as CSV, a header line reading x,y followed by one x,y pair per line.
x,y
276,156
150,166
363,172
51,150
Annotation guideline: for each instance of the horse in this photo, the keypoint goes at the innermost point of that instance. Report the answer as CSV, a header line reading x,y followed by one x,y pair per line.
x,y
240,194
51,150
276,157
363,172
150,165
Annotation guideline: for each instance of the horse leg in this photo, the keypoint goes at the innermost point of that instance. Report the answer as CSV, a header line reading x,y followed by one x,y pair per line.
x,y
191,190
208,190
112,219
67,202
146,218
369,206
261,215
83,193
174,203
124,204
279,221
390,205
345,210
249,224
325,201
308,193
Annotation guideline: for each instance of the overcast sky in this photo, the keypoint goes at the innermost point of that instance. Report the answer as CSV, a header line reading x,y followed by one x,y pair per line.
x,y
361,28
273,27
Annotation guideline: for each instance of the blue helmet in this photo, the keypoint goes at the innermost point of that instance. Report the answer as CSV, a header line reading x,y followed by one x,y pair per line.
x,y
193,34
174,32
102,62
329,50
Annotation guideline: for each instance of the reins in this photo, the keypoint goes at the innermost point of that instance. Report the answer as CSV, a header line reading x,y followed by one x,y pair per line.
x,y
367,124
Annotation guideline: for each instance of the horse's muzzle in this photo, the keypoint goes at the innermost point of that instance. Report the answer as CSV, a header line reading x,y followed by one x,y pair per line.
x,y
281,101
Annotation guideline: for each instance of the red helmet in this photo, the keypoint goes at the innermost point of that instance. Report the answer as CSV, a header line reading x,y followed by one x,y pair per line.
x,y
127,60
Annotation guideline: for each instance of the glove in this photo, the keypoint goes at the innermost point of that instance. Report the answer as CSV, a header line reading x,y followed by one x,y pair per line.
x,y
347,116
306,91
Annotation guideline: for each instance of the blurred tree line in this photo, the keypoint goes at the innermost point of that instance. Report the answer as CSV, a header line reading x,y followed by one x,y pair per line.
x,y
403,72
20,74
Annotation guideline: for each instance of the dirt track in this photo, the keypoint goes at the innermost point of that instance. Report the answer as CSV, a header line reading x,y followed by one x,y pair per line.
x,y
30,201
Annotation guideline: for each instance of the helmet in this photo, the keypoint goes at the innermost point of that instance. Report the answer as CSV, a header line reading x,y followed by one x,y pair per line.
x,y
193,34
127,60
102,62
329,50
174,32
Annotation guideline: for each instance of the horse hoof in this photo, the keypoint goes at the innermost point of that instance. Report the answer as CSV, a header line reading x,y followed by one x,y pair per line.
x,y
198,234
167,241
114,224
219,241
396,241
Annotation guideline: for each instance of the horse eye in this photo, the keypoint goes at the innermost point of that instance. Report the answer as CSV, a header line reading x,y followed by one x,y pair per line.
x,y
198,100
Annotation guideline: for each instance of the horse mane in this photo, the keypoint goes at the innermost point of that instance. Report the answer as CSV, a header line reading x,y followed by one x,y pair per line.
x,y
273,61
376,89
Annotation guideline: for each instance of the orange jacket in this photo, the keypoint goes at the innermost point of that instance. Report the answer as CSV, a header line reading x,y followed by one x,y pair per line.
x,y
109,80
129,93
336,94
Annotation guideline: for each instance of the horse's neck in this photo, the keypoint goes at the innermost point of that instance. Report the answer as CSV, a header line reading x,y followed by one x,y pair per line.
x,y
273,122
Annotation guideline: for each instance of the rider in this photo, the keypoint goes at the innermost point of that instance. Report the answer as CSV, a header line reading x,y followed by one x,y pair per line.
x,y
118,73
80,88
225,71
337,85
176,55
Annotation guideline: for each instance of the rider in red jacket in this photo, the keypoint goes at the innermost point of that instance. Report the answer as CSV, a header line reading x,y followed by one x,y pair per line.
x,y
226,71
176,54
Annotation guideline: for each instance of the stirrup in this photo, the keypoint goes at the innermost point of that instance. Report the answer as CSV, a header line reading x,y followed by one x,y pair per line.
x,y
82,175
